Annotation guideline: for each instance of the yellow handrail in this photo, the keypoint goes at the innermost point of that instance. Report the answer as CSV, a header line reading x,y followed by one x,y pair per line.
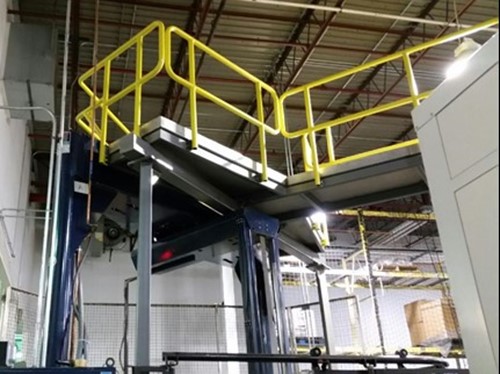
x,y
308,133
104,102
195,90
85,117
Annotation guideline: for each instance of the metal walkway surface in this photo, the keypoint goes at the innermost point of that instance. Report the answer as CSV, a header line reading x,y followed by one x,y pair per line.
x,y
224,180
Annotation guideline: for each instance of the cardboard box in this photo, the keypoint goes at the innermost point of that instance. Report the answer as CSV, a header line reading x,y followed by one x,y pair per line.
x,y
431,322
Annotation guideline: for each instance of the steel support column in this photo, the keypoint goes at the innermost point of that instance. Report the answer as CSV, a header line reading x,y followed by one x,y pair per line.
x,y
326,314
144,265
70,230
279,305
251,310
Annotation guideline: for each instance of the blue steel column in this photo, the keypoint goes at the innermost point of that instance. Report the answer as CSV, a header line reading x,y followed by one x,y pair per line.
x,y
71,230
251,310
144,265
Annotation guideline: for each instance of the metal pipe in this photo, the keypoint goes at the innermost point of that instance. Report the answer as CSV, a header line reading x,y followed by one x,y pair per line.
x,y
224,80
384,214
340,359
143,325
57,176
326,312
43,265
363,13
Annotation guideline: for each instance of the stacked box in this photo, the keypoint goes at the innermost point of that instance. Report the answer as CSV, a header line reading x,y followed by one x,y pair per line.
x,y
431,322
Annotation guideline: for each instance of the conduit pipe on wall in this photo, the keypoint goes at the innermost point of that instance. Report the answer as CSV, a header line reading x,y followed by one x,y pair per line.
x,y
362,13
54,240
47,225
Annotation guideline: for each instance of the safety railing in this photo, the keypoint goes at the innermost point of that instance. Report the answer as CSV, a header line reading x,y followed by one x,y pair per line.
x,y
195,90
100,105
309,132
87,119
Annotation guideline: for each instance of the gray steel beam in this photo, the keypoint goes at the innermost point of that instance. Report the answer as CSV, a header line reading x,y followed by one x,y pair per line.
x,y
304,254
373,198
144,265
326,313
134,148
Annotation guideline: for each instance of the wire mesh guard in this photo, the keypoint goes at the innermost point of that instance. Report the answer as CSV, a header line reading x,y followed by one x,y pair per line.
x,y
408,315
190,328
18,325
422,322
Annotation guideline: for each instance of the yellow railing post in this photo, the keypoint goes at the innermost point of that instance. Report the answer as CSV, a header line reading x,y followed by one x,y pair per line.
x,y
192,94
104,112
412,84
138,89
312,136
262,131
306,153
329,145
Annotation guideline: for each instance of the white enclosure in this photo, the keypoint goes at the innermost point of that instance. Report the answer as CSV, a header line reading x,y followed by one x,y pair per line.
x,y
458,131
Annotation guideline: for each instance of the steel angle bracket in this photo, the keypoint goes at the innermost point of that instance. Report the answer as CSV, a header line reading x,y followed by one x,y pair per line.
x,y
135,149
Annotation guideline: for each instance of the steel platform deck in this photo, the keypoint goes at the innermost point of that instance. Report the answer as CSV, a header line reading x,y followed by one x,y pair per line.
x,y
225,180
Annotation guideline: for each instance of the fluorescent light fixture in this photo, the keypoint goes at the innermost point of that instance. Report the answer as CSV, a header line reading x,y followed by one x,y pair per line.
x,y
462,55
154,179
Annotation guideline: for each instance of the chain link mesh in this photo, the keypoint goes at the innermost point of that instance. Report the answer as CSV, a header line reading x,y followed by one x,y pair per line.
x,y
175,328
20,325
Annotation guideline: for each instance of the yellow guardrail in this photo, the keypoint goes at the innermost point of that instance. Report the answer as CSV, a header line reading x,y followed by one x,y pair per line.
x,y
195,90
308,133
87,117
100,105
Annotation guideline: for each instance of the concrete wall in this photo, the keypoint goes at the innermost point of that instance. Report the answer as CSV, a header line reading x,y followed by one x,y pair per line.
x,y
458,131
15,171
103,282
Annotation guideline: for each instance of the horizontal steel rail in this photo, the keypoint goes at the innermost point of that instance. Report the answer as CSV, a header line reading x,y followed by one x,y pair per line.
x,y
102,102
309,131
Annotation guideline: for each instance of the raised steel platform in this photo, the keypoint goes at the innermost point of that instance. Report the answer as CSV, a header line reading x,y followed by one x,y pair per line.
x,y
224,180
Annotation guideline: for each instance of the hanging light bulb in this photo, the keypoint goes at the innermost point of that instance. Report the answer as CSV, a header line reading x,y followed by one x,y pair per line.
x,y
462,55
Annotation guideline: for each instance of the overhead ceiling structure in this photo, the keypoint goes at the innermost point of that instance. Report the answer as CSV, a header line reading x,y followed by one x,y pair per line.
x,y
285,45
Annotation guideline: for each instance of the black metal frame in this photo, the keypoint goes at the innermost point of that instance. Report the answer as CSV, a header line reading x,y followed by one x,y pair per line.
x,y
320,364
